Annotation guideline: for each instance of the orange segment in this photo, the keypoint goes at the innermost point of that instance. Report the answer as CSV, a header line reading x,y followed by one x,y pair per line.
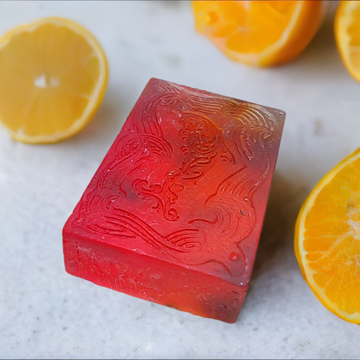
x,y
53,77
347,34
327,239
259,33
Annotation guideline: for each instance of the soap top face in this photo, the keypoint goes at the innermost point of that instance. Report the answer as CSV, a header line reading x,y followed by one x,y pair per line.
x,y
186,181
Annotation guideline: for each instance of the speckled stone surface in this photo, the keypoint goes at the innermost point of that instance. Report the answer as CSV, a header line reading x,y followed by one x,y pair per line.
x,y
46,313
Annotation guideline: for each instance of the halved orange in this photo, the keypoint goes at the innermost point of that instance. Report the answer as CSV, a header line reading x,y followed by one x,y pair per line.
x,y
347,34
53,77
327,239
260,33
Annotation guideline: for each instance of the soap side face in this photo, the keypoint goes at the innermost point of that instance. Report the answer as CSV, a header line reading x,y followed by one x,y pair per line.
x,y
186,183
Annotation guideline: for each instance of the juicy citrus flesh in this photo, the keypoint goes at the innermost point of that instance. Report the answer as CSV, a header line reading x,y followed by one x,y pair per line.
x,y
347,34
327,239
260,33
53,77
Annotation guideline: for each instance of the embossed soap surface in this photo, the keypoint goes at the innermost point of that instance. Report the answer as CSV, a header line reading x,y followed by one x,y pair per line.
x,y
173,214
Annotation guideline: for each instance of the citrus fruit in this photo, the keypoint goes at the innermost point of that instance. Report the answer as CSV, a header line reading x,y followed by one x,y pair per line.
x,y
327,239
260,33
53,77
347,34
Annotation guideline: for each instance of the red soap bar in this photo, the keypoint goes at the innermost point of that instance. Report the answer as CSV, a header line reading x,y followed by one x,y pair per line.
x,y
173,214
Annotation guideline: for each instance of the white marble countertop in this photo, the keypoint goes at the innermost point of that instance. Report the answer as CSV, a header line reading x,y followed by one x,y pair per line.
x,y
46,313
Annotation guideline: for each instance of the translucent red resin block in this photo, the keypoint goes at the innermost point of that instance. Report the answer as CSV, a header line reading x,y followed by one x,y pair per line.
x,y
173,214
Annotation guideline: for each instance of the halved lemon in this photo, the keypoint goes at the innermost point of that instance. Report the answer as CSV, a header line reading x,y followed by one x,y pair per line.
x,y
260,33
347,34
327,239
53,77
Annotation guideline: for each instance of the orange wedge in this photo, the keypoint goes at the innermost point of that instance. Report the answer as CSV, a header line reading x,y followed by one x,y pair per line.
x,y
327,239
347,34
53,77
260,33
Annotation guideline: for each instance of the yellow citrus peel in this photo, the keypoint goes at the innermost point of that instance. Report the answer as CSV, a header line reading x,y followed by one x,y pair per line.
x,y
53,78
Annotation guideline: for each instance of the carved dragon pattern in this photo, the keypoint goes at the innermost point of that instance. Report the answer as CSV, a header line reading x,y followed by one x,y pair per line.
x,y
225,212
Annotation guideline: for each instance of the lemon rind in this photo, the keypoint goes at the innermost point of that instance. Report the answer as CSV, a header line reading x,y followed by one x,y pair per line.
x,y
96,96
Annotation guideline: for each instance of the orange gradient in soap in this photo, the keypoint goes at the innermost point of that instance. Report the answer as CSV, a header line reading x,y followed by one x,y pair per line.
x,y
174,213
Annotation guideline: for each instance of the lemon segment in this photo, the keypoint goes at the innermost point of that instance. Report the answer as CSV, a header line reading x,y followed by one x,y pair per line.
x,y
54,75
